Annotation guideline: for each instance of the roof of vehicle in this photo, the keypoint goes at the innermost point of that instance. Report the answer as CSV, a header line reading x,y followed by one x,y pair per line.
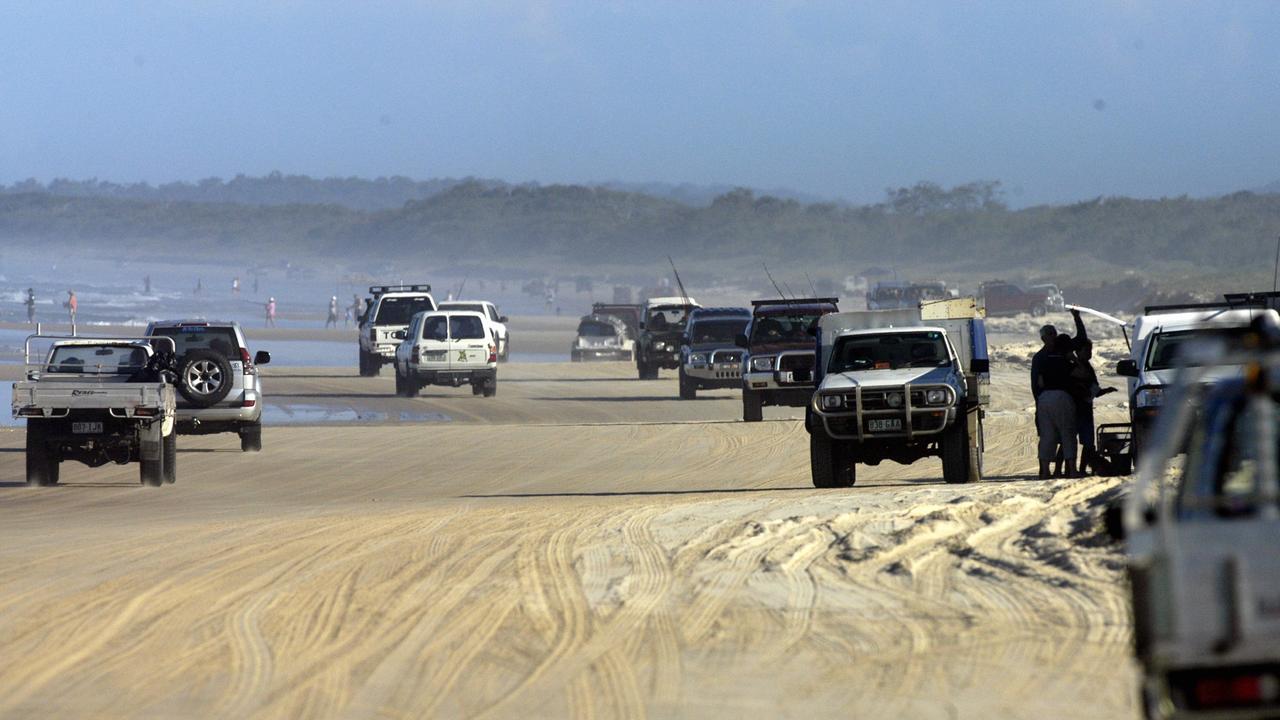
x,y
673,300
612,320
377,290
445,303
446,311
803,306
1195,319
192,323
888,330
140,342
714,312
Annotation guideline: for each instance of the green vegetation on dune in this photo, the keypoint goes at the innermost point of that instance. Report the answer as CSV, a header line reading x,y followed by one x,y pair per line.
x,y
963,228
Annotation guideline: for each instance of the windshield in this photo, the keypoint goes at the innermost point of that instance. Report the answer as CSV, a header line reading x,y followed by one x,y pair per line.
x,y
1169,349
716,331
668,317
782,328
185,339
98,359
399,310
595,328
889,352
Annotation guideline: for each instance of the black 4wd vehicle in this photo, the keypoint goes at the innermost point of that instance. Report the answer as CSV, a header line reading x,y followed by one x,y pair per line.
x,y
781,353
661,332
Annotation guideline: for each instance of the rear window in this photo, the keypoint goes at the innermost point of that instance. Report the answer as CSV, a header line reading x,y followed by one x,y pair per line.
x,y
436,328
185,339
400,310
466,327
97,359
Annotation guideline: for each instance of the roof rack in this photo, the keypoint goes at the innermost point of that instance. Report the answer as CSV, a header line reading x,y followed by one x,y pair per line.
x,y
1267,299
380,289
1186,307
796,301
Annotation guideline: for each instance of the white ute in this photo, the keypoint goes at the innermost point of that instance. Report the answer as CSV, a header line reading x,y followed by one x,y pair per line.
x,y
450,348
386,313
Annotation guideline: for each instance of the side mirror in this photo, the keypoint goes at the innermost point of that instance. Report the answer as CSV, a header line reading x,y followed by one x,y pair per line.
x,y
1127,368
398,335
741,341
503,319
980,366
262,357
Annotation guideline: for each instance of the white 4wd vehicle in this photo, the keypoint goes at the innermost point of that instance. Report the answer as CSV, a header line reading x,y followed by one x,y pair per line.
x,y
1162,337
496,321
1201,552
447,348
899,385
219,388
386,313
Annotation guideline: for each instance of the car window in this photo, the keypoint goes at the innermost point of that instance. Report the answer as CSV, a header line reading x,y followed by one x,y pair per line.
x,y
221,340
889,352
782,328
1223,477
493,313
398,310
667,318
1169,349
97,359
595,328
466,327
717,331
436,327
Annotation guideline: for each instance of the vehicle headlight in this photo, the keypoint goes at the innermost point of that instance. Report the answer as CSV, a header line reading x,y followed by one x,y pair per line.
x,y
937,396
697,359
893,400
763,364
659,345
833,402
1150,397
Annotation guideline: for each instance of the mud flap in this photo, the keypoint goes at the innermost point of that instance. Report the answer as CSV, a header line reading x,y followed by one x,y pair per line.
x,y
976,443
150,442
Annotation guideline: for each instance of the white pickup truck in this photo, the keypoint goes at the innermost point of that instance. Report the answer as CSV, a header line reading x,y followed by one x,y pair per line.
x,y
386,313
899,385
450,348
99,400
1201,548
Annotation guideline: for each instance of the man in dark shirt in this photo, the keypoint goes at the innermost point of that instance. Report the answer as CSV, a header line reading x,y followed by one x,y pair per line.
x,y
1048,334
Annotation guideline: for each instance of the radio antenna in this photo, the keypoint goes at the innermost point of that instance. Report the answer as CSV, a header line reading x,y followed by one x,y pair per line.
x,y
1275,275
683,295
811,285
775,282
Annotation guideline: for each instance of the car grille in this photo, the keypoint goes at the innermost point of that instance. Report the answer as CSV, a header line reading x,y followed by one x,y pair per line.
x,y
879,399
726,356
796,362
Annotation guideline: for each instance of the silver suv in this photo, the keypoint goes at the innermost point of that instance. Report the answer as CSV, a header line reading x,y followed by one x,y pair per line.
x,y
219,389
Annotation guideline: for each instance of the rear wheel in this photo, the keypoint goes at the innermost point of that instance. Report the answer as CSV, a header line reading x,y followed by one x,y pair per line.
x,y
170,452
752,406
955,452
151,471
647,371
399,382
1039,310
506,351
977,446
490,387
370,364
251,438
829,463
42,464
477,388
688,388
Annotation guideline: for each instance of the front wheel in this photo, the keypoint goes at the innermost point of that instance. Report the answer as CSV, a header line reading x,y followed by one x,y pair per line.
x,y
752,406
829,463
251,438
42,464
688,388
955,452
1039,310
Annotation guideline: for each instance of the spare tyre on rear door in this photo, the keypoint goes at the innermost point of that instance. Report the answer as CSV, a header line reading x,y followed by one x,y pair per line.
x,y
204,377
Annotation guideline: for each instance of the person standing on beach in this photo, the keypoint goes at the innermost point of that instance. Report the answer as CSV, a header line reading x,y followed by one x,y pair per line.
x,y
332,320
199,286
355,309
235,286
1055,409
31,306
271,312
71,305
146,284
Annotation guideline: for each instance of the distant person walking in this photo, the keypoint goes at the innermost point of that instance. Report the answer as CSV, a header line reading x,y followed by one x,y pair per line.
x,y
255,284
332,320
271,312
199,286
72,306
146,284
30,302
355,309
235,285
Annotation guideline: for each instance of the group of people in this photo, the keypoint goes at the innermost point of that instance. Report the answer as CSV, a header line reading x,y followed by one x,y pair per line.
x,y
70,304
1065,385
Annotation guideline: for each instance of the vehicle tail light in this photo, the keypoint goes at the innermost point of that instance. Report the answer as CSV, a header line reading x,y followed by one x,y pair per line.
x,y
493,353
146,411
248,403
1229,691
247,359
416,357
373,334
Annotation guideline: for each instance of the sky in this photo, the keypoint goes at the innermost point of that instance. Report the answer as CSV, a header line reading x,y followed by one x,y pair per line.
x,y
1059,101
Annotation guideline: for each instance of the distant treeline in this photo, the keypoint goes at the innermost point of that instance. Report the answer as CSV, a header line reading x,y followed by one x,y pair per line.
x,y
964,227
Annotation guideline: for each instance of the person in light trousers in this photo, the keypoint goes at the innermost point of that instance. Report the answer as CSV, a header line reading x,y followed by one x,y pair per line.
x,y
1055,410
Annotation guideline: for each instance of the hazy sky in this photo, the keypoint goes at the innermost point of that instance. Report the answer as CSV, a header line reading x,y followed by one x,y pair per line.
x,y
1059,101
